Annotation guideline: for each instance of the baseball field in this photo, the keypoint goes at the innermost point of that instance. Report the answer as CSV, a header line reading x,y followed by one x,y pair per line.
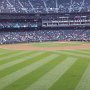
x,y
45,66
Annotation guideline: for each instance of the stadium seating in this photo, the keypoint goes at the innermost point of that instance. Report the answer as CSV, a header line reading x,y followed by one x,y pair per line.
x,y
44,35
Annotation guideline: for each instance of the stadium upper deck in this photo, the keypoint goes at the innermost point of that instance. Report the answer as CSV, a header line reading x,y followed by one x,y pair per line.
x,y
45,21
44,14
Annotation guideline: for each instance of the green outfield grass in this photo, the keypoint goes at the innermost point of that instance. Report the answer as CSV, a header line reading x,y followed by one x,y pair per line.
x,y
44,70
58,44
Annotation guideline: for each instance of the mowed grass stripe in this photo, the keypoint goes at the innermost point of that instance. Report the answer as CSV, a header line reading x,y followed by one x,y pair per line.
x,y
71,53
45,82
6,55
9,64
80,52
16,56
4,50
12,55
23,64
32,77
2,54
9,53
70,79
87,49
9,79
85,52
84,83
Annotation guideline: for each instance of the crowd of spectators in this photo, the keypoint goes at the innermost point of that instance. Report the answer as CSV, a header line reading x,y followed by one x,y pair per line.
x,y
44,35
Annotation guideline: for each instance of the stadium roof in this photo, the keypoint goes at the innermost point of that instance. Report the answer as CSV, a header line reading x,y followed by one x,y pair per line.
x,y
44,6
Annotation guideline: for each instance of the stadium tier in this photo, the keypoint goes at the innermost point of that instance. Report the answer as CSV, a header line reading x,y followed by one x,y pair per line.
x,y
19,28
44,20
44,35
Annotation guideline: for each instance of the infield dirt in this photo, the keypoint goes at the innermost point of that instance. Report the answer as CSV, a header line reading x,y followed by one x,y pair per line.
x,y
31,47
